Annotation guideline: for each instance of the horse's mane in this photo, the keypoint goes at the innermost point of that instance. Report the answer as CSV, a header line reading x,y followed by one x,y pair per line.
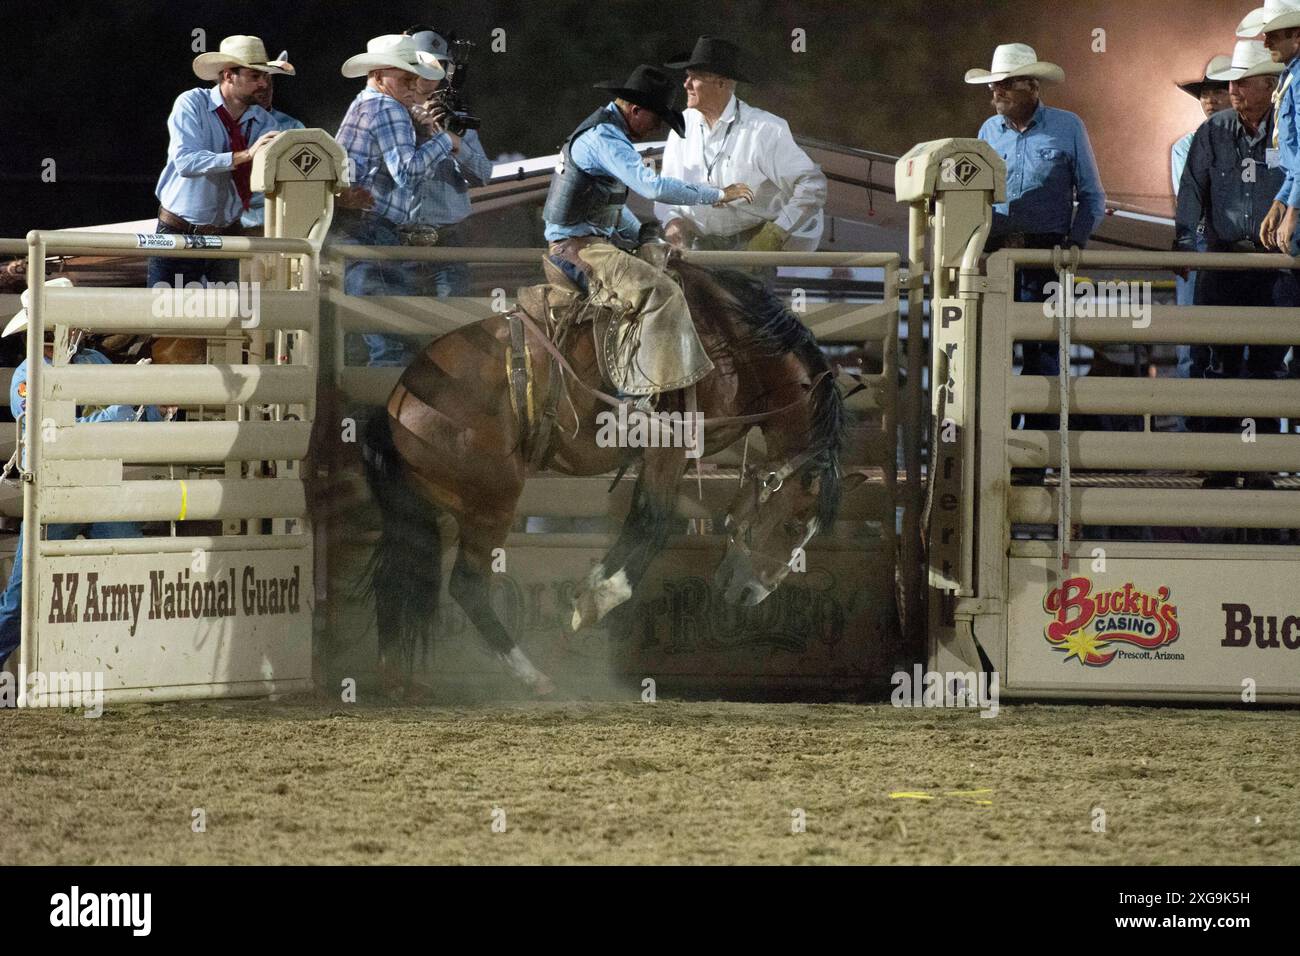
x,y
775,330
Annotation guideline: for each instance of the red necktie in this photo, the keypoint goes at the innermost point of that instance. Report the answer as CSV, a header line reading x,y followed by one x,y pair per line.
x,y
243,174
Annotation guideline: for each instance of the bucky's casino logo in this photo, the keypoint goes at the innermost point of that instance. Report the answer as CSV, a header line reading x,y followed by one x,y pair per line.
x,y
1084,624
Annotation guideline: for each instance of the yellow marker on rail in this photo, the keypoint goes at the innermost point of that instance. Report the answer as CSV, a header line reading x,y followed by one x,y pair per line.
x,y
185,502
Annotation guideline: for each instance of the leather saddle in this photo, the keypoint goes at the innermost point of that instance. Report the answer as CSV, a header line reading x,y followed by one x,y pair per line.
x,y
561,305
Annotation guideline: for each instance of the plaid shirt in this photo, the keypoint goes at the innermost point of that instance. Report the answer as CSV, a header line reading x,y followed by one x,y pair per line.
x,y
442,195
379,137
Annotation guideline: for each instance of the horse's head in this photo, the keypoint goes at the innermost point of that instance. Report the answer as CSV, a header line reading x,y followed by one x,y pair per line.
x,y
779,507
775,513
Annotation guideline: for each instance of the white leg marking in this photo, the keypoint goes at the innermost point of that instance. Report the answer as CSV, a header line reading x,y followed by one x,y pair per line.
x,y
611,593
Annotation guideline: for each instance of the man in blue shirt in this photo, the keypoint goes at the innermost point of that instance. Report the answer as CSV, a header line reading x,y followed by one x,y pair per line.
x,y
1213,97
1279,22
388,161
254,218
589,227
215,133
441,200
1050,165
11,599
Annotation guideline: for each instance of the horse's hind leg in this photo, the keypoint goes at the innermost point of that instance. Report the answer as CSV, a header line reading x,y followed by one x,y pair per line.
x,y
469,587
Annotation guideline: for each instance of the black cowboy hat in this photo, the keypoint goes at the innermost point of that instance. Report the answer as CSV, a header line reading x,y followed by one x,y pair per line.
x,y
1196,87
652,88
713,55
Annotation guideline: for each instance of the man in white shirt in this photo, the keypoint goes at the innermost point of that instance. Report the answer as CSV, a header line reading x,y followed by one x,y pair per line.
x,y
726,141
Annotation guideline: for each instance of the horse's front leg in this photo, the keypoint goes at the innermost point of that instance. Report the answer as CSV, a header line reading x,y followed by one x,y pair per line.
x,y
654,504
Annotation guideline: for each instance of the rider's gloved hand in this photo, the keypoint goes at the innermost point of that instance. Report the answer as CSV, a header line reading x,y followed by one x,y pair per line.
x,y
652,231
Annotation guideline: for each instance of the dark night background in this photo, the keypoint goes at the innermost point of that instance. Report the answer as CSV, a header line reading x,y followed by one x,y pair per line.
x,y
90,84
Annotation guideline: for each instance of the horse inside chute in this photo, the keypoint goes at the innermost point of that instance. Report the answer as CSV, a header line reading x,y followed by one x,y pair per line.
x,y
451,441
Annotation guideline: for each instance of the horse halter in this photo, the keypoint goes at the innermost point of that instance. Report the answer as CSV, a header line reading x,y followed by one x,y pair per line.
x,y
764,487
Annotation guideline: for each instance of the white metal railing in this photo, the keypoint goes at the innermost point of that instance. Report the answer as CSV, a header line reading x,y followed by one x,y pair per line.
x,y
74,472
1004,395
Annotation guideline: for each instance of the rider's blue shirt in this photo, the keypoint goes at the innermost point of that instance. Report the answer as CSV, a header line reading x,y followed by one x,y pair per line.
x,y
113,413
607,150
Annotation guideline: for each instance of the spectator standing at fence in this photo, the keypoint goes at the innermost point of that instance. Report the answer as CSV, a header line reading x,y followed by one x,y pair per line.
x,y
442,194
214,134
1050,165
378,134
1279,23
1224,198
254,218
1213,97
11,599
727,140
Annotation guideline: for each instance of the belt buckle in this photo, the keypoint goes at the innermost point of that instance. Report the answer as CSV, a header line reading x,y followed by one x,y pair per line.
x,y
417,235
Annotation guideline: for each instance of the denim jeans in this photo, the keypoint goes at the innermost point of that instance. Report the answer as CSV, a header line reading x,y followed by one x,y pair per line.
x,y
444,279
11,602
1037,358
1272,288
368,277
169,270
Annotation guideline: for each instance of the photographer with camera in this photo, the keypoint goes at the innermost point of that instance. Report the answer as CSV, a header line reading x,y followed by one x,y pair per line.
x,y
387,161
441,195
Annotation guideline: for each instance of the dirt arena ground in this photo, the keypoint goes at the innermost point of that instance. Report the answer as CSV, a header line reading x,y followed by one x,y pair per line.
x,y
305,781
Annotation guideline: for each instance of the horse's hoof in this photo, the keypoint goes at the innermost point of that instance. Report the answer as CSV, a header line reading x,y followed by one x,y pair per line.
x,y
522,669
584,611
544,687
597,598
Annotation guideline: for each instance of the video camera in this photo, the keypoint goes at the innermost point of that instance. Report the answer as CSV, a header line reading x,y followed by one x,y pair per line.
x,y
451,97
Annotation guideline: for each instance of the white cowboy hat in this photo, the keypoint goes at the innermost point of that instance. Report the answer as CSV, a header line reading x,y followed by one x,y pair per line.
x,y
432,42
19,322
1249,58
242,51
1273,15
394,52
1016,60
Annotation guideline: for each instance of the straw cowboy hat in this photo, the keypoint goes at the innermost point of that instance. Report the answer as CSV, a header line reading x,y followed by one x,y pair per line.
x,y
1273,15
394,52
1216,65
1012,60
242,51
1249,58
19,322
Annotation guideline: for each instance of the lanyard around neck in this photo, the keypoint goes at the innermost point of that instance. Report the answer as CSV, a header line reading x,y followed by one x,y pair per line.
x,y
722,147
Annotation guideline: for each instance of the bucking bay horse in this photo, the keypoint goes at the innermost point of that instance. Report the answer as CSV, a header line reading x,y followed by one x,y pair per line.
x,y
451,442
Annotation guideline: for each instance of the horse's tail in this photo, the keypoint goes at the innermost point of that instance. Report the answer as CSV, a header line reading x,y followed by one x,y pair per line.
x,y
405,573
